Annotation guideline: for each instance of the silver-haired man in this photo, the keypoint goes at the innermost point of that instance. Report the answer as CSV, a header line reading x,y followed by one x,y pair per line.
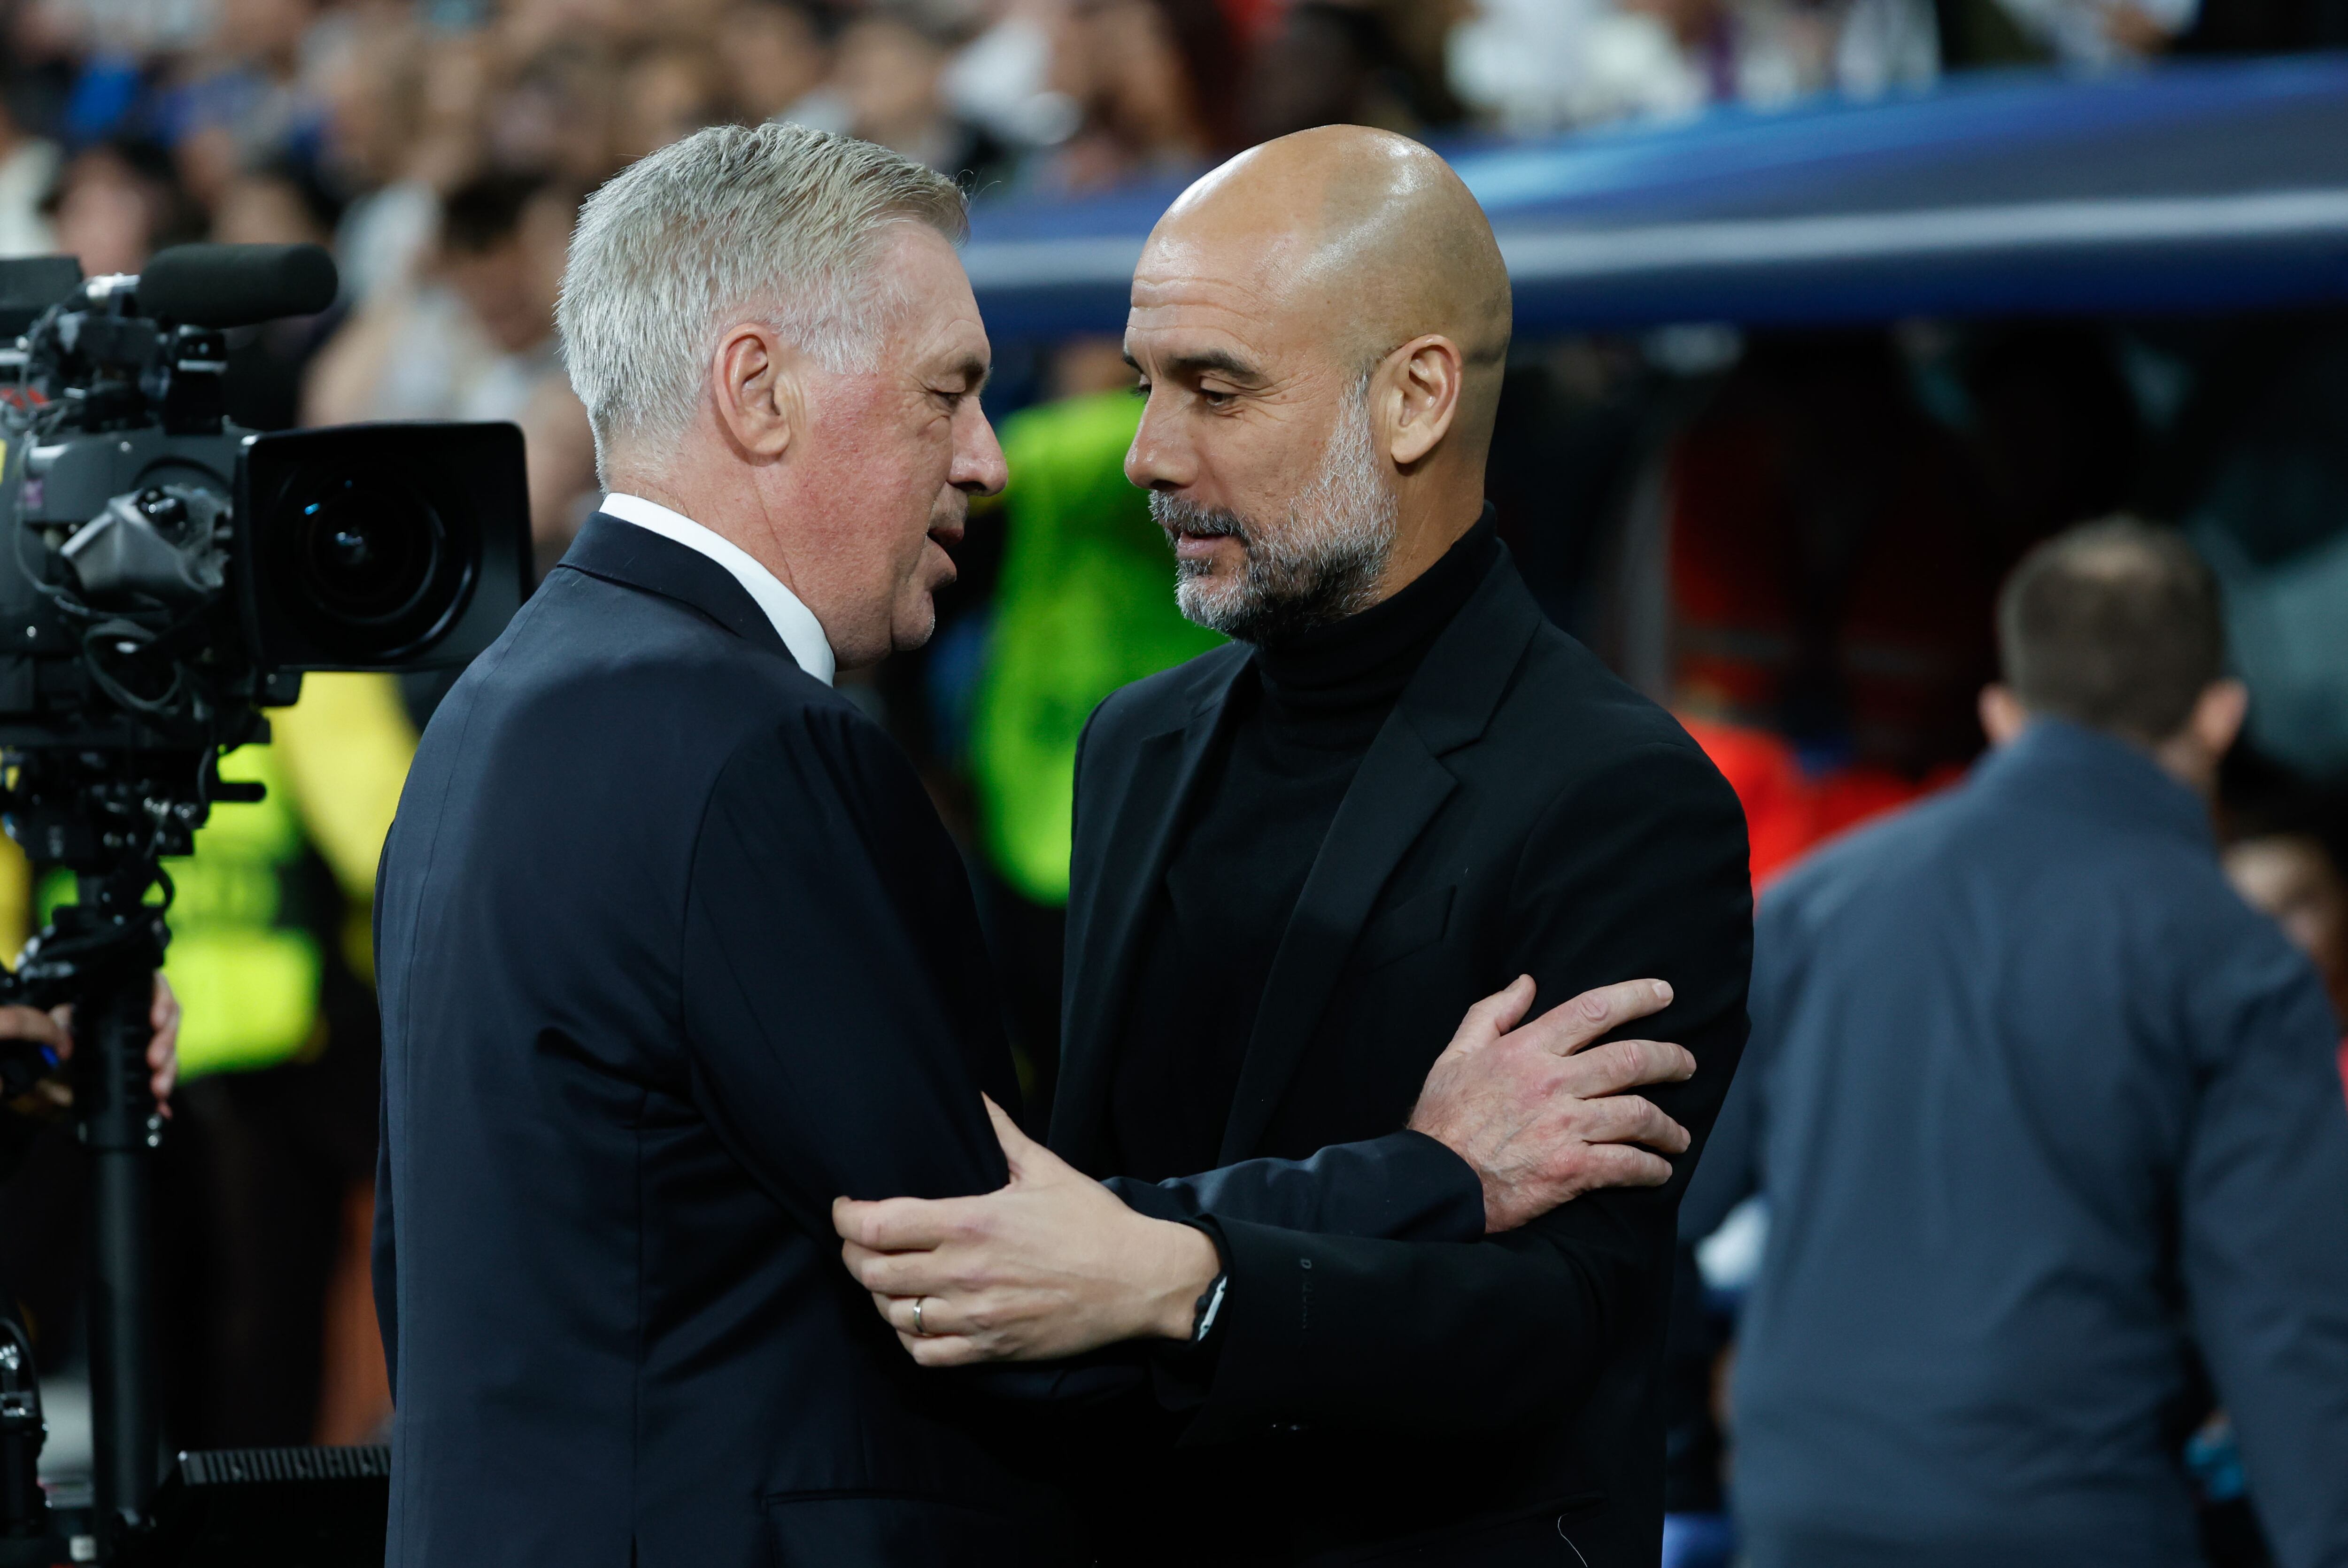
x,y
674,951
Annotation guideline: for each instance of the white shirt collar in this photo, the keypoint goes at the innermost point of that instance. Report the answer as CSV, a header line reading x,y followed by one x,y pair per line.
x,y
801,633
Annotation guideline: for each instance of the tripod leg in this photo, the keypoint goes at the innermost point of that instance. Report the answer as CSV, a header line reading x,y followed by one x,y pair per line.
x,y
118,1125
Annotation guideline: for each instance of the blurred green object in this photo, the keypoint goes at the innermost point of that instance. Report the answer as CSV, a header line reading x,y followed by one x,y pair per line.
x,y
1085,605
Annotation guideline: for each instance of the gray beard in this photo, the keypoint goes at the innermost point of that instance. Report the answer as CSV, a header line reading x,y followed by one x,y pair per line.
x,y
1318,567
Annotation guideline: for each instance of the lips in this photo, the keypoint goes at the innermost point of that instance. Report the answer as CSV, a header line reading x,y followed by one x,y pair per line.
x,y
1188,546
1195,531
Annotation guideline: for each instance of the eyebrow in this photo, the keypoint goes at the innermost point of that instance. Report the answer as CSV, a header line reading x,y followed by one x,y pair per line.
x,y
973,370
1204,361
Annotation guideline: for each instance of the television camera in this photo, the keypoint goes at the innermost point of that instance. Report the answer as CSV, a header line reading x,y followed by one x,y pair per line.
x,y
165,577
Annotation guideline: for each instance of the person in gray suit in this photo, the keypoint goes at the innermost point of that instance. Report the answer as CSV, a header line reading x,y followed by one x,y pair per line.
x,y
2049,1128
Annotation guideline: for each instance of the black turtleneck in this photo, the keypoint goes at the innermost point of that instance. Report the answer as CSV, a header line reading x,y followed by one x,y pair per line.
x,y
1301,717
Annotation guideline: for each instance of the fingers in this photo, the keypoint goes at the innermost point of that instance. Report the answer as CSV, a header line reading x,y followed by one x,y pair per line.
x,y
32,1024
929,1348
1598,1012
1019,1150
1619,1065
1621,1165
949,1350
163,1051
907,1274
1628,1118
895,1224
1494,1015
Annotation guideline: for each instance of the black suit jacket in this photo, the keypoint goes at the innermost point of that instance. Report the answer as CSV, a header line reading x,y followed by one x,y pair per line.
x,y
671,950
1521,811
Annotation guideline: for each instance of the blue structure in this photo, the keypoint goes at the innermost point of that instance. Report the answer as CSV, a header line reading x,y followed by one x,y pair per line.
x,y
2191,188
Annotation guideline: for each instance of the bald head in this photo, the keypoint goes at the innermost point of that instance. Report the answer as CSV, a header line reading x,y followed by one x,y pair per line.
x,y
1363,236
1321,325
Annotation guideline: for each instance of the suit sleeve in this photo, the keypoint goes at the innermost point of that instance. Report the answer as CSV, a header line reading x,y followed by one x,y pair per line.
x,y
837,1012
1639,870
1403,1187
2264,1233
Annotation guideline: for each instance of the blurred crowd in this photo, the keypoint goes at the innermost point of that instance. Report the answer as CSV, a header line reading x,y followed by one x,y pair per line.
x,y
439,146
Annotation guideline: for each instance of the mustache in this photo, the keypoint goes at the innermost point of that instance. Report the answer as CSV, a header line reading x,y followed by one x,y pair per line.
x,y
1175,515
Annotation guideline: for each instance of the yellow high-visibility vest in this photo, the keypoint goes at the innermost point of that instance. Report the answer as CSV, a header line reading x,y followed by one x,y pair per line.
x,y
246,955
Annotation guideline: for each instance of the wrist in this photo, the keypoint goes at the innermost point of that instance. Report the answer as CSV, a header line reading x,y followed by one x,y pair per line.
x,y
1188,1264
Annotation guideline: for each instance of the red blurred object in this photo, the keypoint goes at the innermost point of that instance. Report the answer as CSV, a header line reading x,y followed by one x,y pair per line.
x,y
1787,811
1825,566
1252,20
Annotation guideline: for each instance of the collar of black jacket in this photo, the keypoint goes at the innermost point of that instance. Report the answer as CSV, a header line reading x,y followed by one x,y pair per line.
x,y
619,552
2075,768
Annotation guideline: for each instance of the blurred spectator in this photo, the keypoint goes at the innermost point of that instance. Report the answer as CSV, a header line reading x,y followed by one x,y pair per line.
x,y
2096,34
562,113
475,340
1541,65
2287,854
29,165
118,203
1144,84
2294,878
2048,1123
666,94
243,99
1354,62
889,67
372,87
1001,78
778,64
282,203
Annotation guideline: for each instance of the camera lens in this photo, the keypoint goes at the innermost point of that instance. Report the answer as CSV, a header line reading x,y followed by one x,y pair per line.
x,y
361,562
363,556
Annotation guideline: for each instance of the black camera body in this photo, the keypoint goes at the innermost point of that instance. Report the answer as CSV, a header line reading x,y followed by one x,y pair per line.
x,y
165,575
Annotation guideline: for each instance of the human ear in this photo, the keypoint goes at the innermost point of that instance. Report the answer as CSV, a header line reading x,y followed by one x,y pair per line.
x,y
755,393
2002,717
1424,397
2218,716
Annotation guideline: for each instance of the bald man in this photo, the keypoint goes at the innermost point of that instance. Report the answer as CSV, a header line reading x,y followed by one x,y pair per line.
x,y
1296,859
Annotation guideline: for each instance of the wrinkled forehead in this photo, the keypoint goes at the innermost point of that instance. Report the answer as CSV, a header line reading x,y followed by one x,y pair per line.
x,y
1257,291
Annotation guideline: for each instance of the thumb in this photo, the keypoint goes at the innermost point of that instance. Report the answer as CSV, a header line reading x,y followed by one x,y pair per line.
x,y
1019,1150
1494,1015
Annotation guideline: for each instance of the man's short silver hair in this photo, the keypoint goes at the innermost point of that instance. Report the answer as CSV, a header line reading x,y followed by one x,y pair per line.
x,y
776,223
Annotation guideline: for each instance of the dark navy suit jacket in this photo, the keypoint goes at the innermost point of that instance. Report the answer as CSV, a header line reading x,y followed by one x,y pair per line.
x,y
2045,1114
671,950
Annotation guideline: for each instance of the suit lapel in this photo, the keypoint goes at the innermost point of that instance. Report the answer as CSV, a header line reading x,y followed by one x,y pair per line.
x,y
1401,784
1140,836
1394,794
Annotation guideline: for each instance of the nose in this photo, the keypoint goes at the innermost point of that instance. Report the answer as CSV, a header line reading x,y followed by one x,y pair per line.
x,y
979,468
1159,458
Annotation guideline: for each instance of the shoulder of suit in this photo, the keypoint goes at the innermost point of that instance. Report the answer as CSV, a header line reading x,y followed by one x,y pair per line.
x,y
586,641
1564,694
1169,697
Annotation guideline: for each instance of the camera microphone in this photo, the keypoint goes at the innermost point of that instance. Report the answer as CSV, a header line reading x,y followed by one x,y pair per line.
x,y
236,285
